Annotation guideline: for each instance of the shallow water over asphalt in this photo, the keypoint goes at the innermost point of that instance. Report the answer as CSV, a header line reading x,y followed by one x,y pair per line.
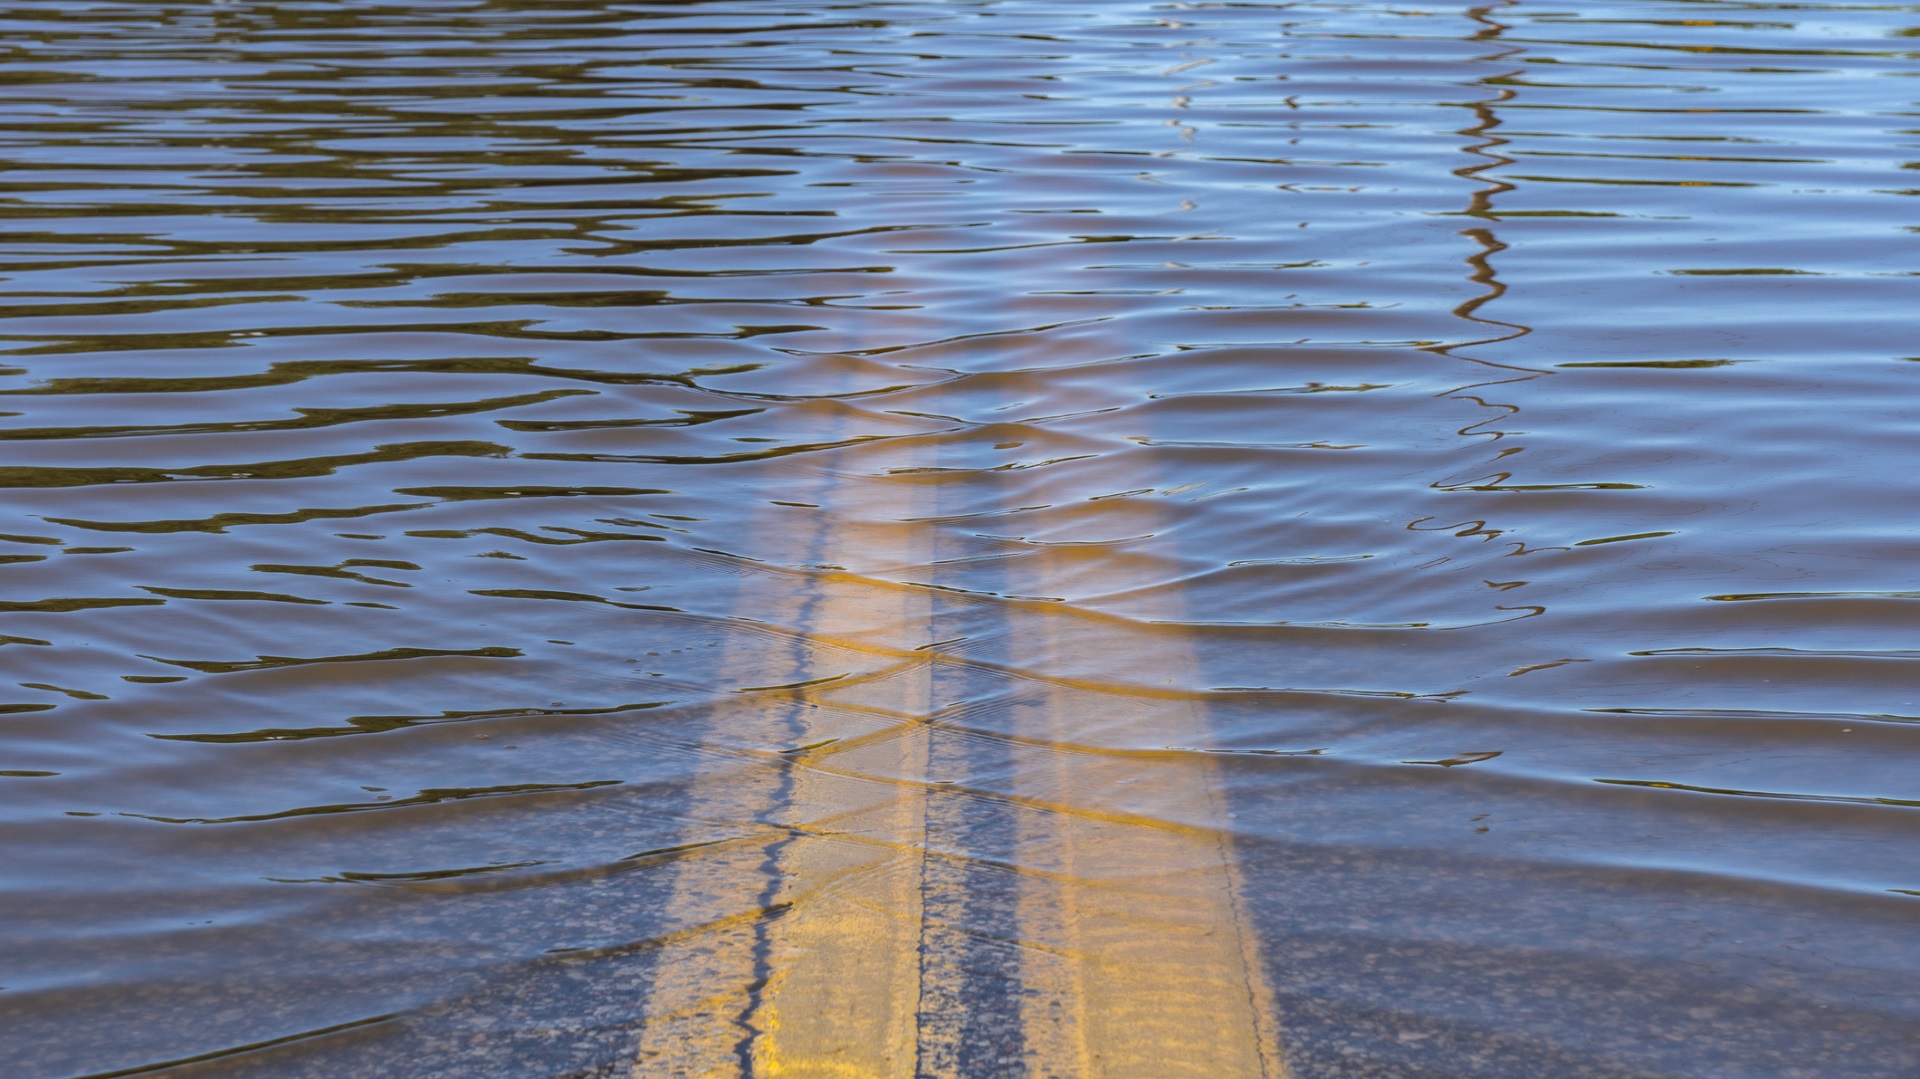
x,y
980,538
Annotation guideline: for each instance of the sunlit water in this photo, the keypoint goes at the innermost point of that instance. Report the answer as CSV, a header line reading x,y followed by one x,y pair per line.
x,y
1041,537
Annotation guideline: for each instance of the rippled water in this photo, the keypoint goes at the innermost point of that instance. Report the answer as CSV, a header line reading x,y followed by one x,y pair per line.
x,y
995,537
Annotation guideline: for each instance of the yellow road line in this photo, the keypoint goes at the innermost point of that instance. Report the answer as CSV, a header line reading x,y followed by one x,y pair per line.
x,y
1160,975
825,981
1135,958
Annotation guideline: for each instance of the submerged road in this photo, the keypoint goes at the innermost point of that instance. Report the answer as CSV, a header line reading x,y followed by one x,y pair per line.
x,y
993,538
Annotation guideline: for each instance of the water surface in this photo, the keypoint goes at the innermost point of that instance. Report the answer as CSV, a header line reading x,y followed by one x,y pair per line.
x,y
1025,538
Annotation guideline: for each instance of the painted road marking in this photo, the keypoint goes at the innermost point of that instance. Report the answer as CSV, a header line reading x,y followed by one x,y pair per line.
x,y
1134,958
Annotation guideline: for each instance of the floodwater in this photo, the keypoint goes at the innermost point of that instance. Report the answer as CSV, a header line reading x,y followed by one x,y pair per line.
x,y
983,538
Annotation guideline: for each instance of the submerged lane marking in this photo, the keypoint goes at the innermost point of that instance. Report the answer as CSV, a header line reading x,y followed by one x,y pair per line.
x,y
826,980
1136,958
1161,968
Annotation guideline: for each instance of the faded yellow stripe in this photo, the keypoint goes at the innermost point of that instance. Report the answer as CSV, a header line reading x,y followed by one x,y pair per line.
x,y
844,991
1136,961
825,980
1159,973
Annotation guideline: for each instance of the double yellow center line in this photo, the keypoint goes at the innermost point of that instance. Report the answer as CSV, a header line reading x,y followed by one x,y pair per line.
x,y
821,949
